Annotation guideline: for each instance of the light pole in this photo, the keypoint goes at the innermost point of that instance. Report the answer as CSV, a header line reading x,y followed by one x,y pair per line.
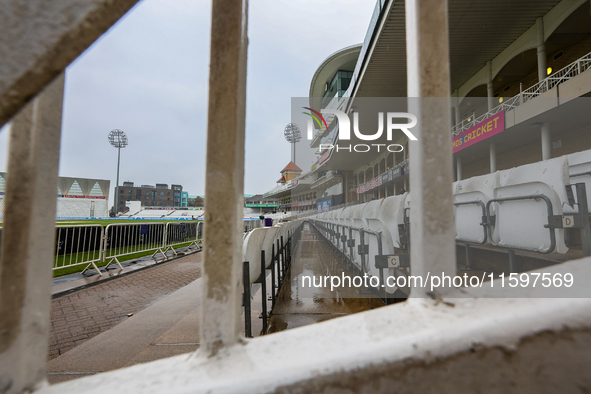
x,y
292,135
118,139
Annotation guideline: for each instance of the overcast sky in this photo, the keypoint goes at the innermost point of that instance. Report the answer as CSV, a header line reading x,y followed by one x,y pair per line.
x,y
148,77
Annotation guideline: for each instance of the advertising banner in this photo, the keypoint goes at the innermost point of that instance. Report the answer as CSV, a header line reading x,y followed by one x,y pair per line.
x,y
487,128
323,206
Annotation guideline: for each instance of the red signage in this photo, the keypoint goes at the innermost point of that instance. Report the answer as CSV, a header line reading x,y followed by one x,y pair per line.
x,y
492,125
370,185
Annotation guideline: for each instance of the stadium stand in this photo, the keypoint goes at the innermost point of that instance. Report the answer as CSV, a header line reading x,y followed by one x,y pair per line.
x,y
527,208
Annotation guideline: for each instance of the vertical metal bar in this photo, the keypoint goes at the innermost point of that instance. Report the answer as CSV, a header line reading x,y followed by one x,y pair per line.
x,y
272,277
224,182
512,261
584,214
77,245
27,240
86,229
432,229
246,301
468,256
264,291
57,248
279,270
283,257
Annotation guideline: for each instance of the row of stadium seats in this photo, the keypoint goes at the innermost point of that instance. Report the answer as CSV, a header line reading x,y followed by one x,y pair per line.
x,y
260,239
523,208
81,207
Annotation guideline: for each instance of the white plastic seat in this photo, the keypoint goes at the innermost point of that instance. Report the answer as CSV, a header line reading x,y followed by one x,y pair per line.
x,y
391,214
372,208
476,191
268,244
520,224
251,251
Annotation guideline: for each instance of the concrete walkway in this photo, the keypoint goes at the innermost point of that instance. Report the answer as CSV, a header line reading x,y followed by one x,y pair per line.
x,y
166,328
85,313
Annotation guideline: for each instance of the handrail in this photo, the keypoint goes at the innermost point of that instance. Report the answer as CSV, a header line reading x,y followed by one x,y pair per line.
x,y
572,70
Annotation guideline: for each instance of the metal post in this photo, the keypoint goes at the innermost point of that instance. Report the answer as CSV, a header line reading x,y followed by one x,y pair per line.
x,y
541,49
28,240
584,214
468,256
279,270
117,184
246,301
458,168
432,229
273,277
493,157
546,142
224,181
512,261
264,291
490,93
283,257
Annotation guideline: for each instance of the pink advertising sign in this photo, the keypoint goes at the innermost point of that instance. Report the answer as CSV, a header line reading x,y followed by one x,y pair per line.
x,y
483,130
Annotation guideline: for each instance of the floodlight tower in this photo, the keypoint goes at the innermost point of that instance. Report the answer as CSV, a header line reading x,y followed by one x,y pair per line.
x,y
292,135
118,139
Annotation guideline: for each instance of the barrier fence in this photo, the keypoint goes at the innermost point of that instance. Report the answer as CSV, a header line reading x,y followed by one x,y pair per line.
x,y
129,239
78,245
94,244
91,245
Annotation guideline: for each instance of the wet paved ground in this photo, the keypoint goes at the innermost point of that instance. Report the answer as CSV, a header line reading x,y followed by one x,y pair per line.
x,y
298,305
93,324
84,314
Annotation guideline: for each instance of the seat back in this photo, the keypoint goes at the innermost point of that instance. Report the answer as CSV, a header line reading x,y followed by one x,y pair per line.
x,y
519,224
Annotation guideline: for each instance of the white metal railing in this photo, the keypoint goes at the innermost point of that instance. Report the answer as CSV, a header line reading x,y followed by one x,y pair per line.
x,y
123,239
187,234
78,245
572,70
94,244
288,185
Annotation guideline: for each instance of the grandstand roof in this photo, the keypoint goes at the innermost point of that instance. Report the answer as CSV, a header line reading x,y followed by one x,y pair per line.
x,y
291,167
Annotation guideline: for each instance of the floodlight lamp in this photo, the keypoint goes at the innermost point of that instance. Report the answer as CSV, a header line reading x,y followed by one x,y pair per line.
x,y
292,133
118,138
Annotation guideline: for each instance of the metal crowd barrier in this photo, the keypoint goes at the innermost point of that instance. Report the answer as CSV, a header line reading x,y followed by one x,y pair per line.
x,y
123,239
182,234
78,245
93,244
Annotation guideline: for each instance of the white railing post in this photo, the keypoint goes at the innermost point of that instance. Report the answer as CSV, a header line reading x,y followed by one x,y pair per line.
x,y
27,240
224,178
432,221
